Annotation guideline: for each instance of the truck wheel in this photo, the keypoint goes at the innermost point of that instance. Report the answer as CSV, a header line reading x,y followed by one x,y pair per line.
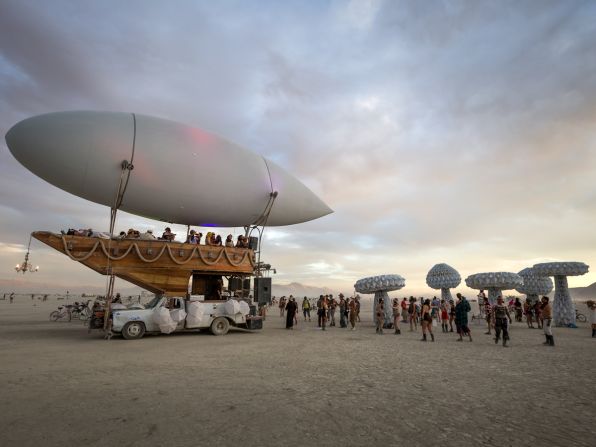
x,y
220,326
133,330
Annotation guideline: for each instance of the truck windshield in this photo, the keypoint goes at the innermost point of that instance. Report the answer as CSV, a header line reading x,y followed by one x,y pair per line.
x,y
151,304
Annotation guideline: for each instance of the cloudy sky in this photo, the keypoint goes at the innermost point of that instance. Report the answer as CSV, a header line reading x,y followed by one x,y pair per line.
x,y
438,131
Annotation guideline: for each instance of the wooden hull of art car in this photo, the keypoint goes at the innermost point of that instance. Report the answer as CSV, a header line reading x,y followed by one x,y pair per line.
x,y
161,267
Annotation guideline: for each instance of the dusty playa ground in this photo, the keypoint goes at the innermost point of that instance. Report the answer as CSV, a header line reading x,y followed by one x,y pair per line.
x,y
61,386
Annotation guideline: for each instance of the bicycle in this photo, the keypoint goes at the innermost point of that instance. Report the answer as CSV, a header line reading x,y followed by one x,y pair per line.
x,y
62,312
580,317
81,311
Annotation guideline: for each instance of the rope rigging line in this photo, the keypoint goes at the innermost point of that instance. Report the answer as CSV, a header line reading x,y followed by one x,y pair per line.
x,y
126,168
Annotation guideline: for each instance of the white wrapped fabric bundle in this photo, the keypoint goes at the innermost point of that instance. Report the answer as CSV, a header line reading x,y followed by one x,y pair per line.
x,y
168,328
195,309
232,307
178,315
162,316
195,314
164,320
244,308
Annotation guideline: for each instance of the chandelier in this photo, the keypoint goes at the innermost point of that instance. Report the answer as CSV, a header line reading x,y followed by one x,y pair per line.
x,y
26,266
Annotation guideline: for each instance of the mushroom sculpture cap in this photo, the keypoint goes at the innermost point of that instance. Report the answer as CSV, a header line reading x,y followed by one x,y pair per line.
x,y
380,283
533,283
561,269
494,280
443,276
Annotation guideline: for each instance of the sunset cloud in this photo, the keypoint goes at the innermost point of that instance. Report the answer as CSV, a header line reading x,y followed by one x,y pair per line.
x,y
440,131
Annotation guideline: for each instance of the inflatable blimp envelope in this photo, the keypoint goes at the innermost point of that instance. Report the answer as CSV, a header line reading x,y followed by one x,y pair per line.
x,y
180,174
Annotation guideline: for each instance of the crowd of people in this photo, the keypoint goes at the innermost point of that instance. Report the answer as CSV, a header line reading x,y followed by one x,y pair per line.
x,y
450,315
326,308
193,237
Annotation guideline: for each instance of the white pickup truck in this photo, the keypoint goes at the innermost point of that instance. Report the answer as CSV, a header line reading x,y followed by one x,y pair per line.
x,y
182,315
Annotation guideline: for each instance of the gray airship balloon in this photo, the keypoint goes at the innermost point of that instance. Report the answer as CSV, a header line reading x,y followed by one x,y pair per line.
x,y
180,173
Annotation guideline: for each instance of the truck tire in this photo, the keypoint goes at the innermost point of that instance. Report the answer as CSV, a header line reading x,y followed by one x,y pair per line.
x,y
220,326
133,330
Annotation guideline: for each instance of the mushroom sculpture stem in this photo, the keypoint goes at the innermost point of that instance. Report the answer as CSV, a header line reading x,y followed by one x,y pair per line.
x,y
563,307
444,277
387,307
494,282
446,294
380,285
493,294
534,285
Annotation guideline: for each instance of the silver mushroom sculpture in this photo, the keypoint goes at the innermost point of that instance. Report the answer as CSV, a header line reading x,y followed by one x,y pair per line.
x,y
444,277
494,282
563,307
534,285
380,285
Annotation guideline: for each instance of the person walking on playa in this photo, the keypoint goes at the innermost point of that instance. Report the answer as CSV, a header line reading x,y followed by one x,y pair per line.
x,y
547,319
379,316
538,314
427,321
331,312
342,311
404,310
451,315
481,298
488,313
444,317
501,314
291,309
306,308
396,312
11,297
412,314
282,306
528,312
357,299
353,313
592,314
322,306
461,317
